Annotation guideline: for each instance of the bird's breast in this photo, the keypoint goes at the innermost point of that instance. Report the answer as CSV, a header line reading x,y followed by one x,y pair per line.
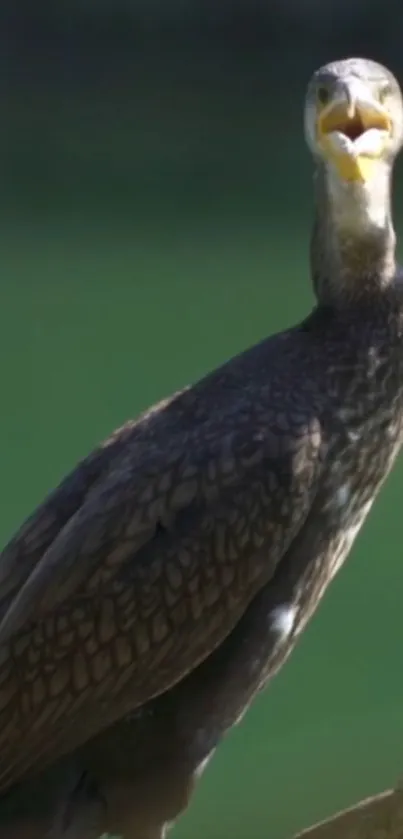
x,y
356,468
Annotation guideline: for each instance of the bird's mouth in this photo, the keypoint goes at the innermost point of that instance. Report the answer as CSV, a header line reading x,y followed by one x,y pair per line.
x,y
353,134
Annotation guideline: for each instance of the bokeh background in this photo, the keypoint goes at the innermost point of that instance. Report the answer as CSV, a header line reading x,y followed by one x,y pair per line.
x,y
155,201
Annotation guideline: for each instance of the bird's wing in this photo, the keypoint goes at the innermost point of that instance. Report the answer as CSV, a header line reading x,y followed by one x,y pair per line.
x,y
25,550
148,575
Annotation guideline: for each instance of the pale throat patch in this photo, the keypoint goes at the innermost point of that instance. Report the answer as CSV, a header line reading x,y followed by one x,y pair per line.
x,y
361,206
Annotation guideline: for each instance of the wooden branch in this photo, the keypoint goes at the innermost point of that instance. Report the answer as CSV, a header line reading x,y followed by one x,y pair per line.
x,y
379,817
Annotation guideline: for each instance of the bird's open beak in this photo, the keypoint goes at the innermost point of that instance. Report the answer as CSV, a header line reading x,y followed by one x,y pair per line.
x,y
353,130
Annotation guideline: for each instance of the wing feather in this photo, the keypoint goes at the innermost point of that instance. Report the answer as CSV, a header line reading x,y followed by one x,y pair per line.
x,y
155,555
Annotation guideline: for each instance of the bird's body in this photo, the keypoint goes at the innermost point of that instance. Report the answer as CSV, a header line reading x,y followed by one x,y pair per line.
x,y
169,576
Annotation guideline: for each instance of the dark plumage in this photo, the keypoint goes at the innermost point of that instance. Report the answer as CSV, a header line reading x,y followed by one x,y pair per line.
x,y
158,588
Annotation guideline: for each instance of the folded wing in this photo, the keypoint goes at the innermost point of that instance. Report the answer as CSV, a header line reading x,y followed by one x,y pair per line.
x,y
136,569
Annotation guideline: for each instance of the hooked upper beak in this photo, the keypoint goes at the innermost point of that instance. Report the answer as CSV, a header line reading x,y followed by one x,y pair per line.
x,y
353,130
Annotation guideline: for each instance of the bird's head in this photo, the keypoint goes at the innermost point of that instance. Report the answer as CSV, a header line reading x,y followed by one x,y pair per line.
x,y
354,119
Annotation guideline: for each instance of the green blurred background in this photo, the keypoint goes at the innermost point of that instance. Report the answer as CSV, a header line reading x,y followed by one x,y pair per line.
x,y
155,215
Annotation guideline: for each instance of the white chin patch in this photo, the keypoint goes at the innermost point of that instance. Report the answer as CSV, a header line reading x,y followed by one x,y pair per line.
x,y
370,143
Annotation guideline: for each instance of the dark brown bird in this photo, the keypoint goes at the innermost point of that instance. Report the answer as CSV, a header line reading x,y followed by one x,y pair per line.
x,y
162,584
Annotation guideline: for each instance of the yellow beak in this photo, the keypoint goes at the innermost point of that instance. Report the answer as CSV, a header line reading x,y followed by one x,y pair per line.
x,y
353,130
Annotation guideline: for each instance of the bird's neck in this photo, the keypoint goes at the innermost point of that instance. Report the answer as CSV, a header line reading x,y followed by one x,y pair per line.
x,y
353,239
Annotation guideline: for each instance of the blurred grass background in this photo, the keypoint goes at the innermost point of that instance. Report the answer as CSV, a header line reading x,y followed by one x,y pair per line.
x,y
155,215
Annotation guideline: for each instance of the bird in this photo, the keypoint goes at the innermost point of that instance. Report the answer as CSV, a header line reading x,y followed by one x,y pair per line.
x,y
160,587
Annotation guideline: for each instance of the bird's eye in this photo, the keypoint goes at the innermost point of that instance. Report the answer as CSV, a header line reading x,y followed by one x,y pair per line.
x,y
384,92
323,94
